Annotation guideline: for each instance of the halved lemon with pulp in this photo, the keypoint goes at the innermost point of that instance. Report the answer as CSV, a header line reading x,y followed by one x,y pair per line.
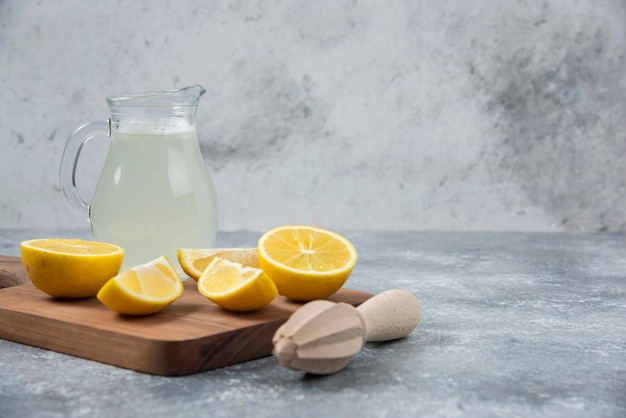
x,y
306,262
142,290
195,260
236,287
70,268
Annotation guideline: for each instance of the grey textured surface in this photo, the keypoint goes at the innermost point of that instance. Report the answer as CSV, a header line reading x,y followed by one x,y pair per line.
x,y
406,115
514,324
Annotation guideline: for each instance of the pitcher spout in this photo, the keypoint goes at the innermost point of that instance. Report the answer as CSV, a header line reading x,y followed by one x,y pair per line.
x,y
181,99
188,95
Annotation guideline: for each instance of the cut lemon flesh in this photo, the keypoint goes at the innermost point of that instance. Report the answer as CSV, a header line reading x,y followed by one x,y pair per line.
x,y
144,289
236,287
194,261
306,262
70,268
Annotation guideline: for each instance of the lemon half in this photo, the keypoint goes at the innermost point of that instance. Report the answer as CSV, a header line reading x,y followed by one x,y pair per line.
x,y
306,262
70,268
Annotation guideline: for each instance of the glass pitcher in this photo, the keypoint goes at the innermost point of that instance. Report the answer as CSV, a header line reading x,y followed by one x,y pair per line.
x,y
154,194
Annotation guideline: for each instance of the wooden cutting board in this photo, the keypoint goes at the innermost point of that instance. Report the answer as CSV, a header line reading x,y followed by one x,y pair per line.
x,y
192,335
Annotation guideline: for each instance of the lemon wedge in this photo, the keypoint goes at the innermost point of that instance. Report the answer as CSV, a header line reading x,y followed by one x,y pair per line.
x,y
236,287
194,261
142,290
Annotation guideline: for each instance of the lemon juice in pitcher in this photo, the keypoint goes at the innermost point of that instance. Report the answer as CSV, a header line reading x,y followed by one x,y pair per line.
x,y
154,194
145,199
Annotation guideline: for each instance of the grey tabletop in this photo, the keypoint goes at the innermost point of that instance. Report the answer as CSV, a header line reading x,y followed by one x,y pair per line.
x,y
514,324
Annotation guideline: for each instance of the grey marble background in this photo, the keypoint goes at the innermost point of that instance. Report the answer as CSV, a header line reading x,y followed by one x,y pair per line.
x,y
466,114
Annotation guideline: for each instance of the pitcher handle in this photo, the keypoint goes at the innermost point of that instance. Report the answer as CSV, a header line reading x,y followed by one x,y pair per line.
x,y
69,161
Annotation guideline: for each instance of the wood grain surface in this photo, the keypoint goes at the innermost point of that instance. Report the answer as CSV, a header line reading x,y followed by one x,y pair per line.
x,y
192,335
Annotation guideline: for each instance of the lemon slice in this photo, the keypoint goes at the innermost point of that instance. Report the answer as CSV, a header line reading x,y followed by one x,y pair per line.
x,y
306,262
70,268
194,261
142,290
236,287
